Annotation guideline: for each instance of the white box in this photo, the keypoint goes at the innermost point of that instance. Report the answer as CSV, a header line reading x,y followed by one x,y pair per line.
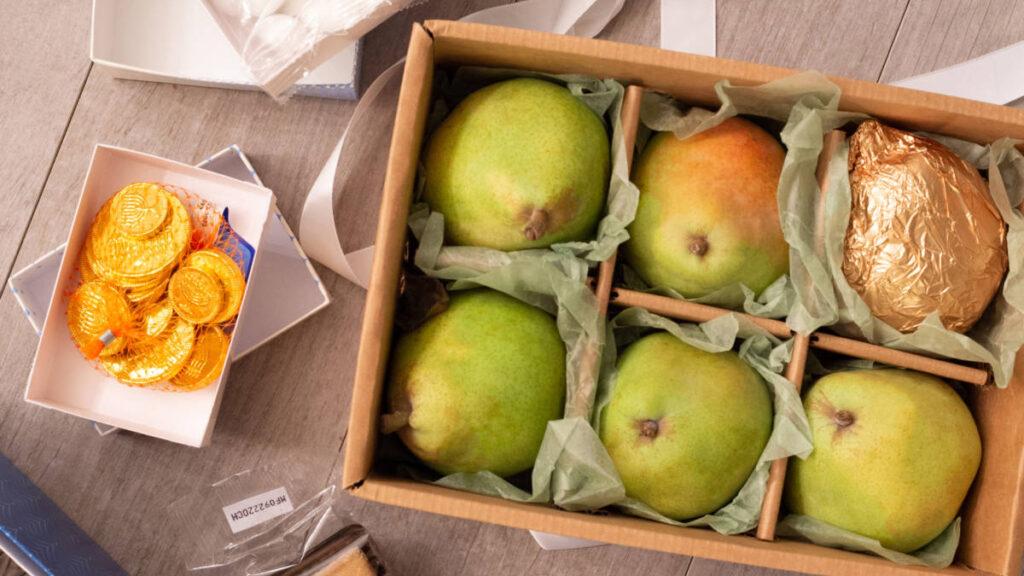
x,y
61,379
288,291
177,41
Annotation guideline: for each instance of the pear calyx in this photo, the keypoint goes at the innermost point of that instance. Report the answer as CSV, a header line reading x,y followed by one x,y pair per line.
x,y
648,429
843,419
698,246
537,221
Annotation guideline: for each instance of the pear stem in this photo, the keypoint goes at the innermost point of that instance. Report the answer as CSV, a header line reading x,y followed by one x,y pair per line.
x,y
395,421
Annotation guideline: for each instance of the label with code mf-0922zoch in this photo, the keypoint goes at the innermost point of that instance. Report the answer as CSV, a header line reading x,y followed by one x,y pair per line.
x,y
257,509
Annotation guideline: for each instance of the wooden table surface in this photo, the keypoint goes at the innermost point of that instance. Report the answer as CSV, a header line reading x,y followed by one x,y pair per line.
x,y
287,403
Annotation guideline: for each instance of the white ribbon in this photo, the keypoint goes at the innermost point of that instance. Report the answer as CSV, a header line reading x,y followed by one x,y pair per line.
x,y
317,229
686,25
996,77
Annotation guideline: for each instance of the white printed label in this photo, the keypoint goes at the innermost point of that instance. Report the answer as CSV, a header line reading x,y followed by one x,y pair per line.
x,y
257,509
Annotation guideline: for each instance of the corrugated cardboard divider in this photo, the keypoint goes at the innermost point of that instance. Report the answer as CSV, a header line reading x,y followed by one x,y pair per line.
x,y
992,538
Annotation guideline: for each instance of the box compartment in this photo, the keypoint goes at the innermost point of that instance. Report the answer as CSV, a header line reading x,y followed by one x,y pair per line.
x,y
991,541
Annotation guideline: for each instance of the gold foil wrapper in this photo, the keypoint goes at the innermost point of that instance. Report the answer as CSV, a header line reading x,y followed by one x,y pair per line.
x,y
196,295
156,318
140,209
924,235
152,296
93,309
130,260
206,362
156,359
221,266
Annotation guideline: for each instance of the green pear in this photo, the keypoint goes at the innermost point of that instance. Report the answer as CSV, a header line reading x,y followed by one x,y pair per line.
x,y
474,387
685,427
708,215
518,164
894,454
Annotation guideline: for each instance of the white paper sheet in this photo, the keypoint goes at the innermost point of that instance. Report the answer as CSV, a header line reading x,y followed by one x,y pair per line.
x,y
996,77
689,26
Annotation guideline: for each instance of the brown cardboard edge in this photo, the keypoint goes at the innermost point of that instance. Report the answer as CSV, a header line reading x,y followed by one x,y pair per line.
x,y
634,532
379,310
657,69
994,519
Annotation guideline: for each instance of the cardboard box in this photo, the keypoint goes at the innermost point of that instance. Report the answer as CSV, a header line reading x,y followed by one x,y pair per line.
x,y
63,380
993,527
182,45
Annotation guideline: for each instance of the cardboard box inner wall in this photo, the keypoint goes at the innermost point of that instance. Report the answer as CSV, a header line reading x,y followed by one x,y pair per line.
x,y
991,540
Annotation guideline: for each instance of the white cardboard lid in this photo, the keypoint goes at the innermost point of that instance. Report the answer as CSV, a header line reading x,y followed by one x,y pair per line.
x,y
178,41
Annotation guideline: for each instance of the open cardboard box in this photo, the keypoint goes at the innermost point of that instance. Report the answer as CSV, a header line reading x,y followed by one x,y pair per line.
x,y
992,538
63,380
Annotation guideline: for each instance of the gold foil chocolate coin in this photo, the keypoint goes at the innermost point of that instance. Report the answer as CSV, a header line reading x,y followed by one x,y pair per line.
x,y
148,293
140,209
153,360
95,312
222,267
125,259
196,295
84,269
206,362
156,318
924,235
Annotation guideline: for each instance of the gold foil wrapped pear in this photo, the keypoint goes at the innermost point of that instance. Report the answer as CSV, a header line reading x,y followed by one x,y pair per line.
x,y
924,235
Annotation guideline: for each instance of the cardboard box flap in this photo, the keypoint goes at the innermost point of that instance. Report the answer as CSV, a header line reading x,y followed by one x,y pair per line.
x,y
379,311
630,530
691,78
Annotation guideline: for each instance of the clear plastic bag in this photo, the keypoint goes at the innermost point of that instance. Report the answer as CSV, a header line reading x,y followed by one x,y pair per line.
x,y
274,520
281,41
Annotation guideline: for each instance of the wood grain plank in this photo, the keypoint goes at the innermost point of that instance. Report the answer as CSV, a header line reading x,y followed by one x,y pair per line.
x,y
701,567
832,36
940,33
38,88
279,406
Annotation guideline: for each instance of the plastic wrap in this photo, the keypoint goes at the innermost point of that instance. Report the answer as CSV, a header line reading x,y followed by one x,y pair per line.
x,y
791,435
778,102
273,520
281,41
